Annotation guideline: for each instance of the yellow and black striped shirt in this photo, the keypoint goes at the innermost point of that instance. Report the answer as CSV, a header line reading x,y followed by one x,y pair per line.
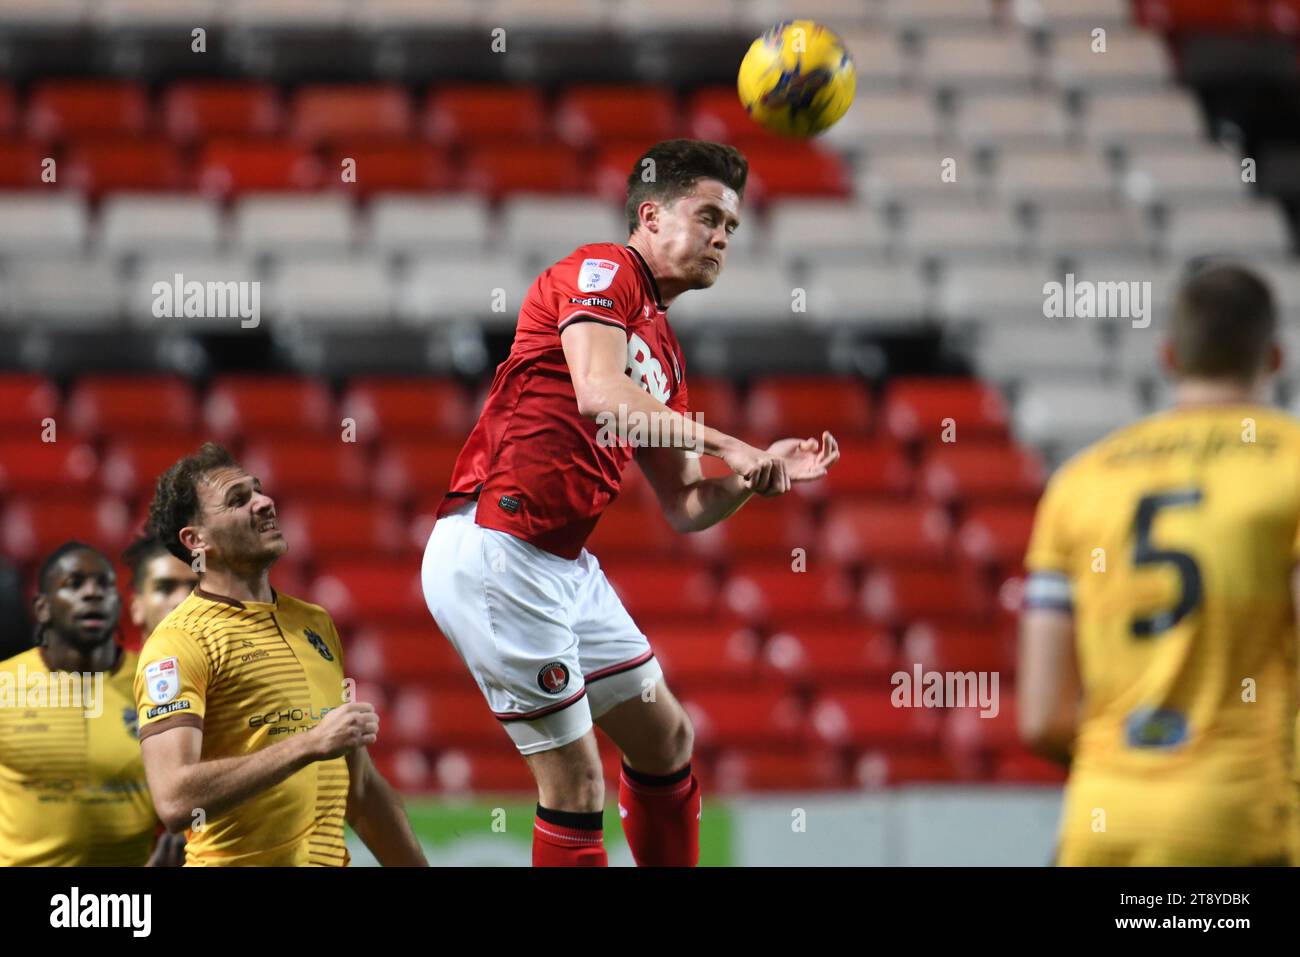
x,y
72,783
247,674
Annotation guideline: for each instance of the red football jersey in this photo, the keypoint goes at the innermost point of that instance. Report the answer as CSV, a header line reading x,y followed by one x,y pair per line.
x,y
532,460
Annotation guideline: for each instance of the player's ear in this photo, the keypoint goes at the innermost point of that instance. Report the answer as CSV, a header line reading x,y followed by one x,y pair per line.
x,y
192,539
137,610
41,609
649,213
1274,358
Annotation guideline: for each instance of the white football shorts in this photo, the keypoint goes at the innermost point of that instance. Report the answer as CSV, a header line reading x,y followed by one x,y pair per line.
x,y
546,638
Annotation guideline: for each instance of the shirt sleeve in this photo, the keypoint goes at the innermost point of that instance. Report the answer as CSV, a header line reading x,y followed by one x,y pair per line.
x,y
595,290
1048,559
171,682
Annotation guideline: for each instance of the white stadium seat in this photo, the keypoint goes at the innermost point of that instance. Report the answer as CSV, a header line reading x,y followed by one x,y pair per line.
x,y
42,224
878,59
1053,175
1132,59
918,173
876,117
1009,119
993,294
1042,349
933,15
826,229
555,226
1187,174
1120,118
1067,417
1060,14
961,232
131,222
150,13
1245,230
1072,231
64,291
287,224
415,224
747,293
336,291
866,294
440,289
996,60
193,267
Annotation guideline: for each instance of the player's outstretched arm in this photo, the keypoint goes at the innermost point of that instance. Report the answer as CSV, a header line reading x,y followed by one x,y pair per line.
x,y
376,813
181,784
1047,683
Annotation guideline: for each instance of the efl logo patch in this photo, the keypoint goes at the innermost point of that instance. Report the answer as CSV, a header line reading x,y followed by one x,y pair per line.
x,y
318,643
592,301
162,680
553,678
511,505
596,274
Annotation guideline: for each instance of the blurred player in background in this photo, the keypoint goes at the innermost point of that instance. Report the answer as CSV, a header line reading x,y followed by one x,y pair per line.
x,y
1158,644
72,782
247,737
159,580
505,572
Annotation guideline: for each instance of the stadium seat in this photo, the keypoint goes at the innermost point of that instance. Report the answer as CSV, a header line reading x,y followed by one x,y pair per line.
x,y
415,466
159,223
972,233
385,407
253,405
760,715
867,467
763,591
869,719
34,527
870,532
999,120
475,115
209,109
956,646
119,165
915,410
33,224
717,115
754,292
1121,118
1069,416
227,167
705,654
63,109
522,168
996,535
771,530
411,655
587,115
980,471
553,227
1194,174
879,296
414,224
819,655
629,528
1211,16
340,290
1117,231
284,225
998,59
327,527
290,466
1253,229
445,719
322,113
898,174
69,293
31,466
1061,351
665,587
370,591
874,770
495,771
26,398
779,171
133,463
969,735
1133,59
898,595
391,167
407,769
938,16
21,164
804,407
1026,768
1053,175
117,405
767,769
813,231
1053,15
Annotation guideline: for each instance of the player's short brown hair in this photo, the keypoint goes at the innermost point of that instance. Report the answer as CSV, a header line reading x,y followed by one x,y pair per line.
x,y
176,497
677,165
1223,323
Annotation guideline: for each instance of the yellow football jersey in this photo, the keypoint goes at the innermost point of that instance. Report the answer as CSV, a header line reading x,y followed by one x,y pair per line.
x,y
72,784
247,674
1173,541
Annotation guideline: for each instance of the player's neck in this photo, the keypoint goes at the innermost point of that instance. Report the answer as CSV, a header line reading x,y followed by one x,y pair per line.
x,y
1195,393
238,585
669,288
60,654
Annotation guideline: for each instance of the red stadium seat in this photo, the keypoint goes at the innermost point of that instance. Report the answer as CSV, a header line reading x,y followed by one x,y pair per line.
x,y
768,769
414,467
762,529
610,169
795,169
497,170
337,528
635,529
153,165
1283,16
715,401
476,114
227,167
8,109
895,596
133,463
393,167
862,719
28,465
258,405
117,405
20,163
716,114
827,655
371,591
968,735
497,771
1215,16
763,591
327,112
34,527
805,406
61,109
867,467
879,769
385,407
407,769
956,647
662,587
445,719
295,465
410,655
873,532
997,535
1027,768
705,653
25,399
979,472
206,109
760,715
916,409
586,115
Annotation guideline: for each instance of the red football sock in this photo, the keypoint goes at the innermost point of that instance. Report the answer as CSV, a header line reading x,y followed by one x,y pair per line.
x,y
568,839
661,817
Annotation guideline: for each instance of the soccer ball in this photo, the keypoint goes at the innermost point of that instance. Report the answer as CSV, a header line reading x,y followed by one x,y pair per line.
x,y
797,78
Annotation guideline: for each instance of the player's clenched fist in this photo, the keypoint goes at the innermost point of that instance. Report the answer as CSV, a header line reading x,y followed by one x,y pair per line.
x,y
345,728
763,472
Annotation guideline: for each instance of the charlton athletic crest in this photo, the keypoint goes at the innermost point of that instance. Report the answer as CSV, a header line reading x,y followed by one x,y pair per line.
x,y
553,678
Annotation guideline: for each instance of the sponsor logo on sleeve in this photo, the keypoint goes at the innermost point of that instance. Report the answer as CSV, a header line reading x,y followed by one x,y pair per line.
x,y
596,274
163,709
162,680
592,301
